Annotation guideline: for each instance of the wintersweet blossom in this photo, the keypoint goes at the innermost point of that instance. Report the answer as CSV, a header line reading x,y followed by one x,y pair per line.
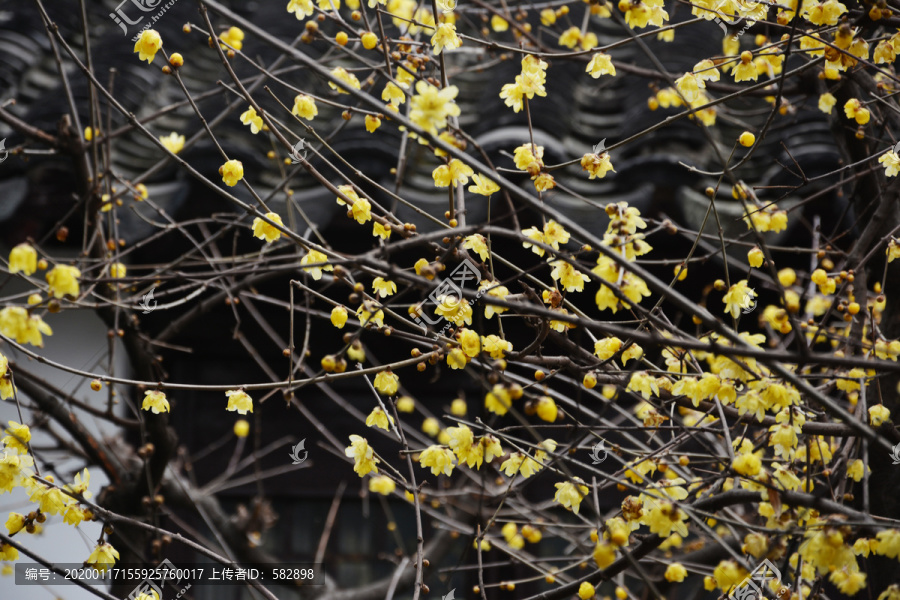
x,y
890,160
601,64
173,142
239,401
25,328
301,8
23,257
249,117
430,106
103,557
63,280
439,459
345,76
445,37
739,297
378,418
382,484
364,460
314,263
305,107
387,383
232,172
155,401
570,494
234,37
483,185
264,230
148,45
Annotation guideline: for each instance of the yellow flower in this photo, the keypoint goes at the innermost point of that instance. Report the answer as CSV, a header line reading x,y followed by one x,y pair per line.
x,y
499,24
430,107
440,460
15,322
239,401
372,123
856,469
384,287
462,442
173,142
853,109
456,359
305,107
570,37
889,159
496,347
597,165
117,270
546,409
689,87
18,437
469,342
343,75
571,279
823,13
675,572
382,231
405,404
234,37
445,37
454,173
370,314
241,428
878,414
379,418
483,185
382,484
892,251
746,70
478,244
338,316
301,8
601,64
63,280
739,296
265,231
249,117
23,258
498,400
497,291
544,182
15,523
755,257
604,554
607,347
454,309
393,93
155,401
362,455
232,172
148,45
748,465
361,211
571,494
103,557
644,383
555,234
387,383
884,52
585,590
319,263
529,158
431,426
